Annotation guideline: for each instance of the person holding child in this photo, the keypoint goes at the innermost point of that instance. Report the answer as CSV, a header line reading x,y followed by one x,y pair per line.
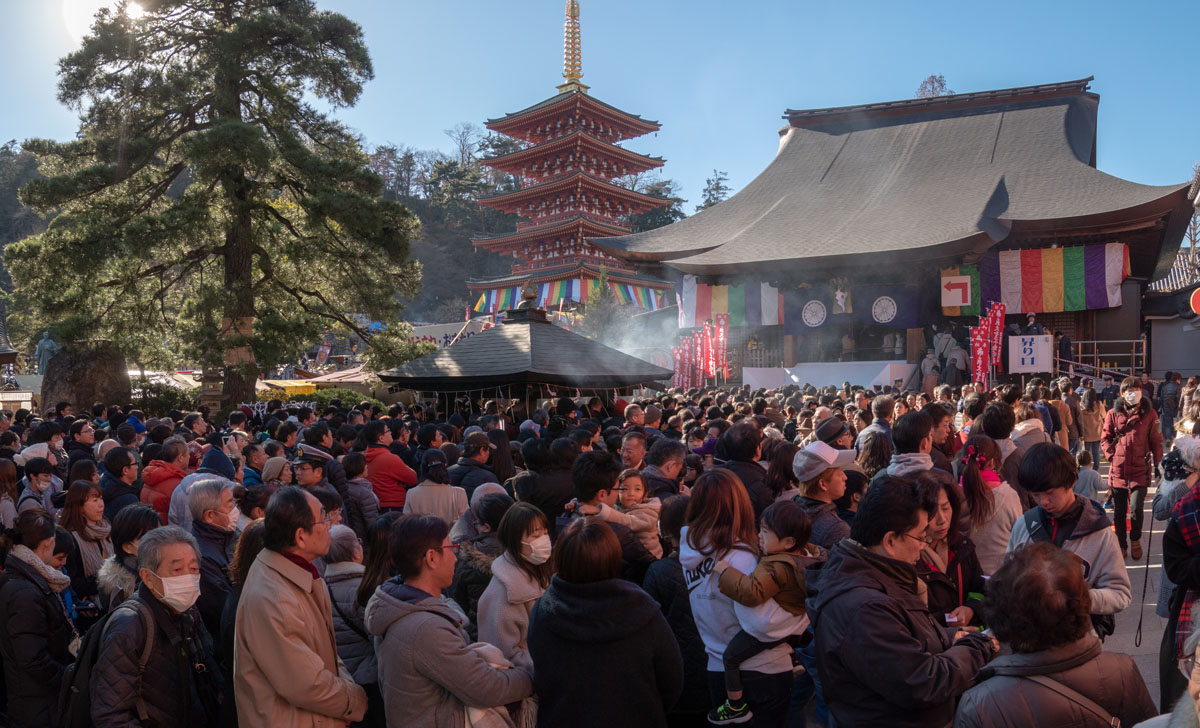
x,y
720,526
779,576
635,511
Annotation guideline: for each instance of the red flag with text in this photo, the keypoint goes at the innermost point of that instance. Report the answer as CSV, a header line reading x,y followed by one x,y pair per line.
x,y
722,321
980,354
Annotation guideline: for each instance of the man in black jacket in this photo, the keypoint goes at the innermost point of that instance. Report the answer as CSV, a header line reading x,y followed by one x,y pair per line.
x,y
594,476
214,518
743,448
471,470
171,690
664,468
318,444
882,658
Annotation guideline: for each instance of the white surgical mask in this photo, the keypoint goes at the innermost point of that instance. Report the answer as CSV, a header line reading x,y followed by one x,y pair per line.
x,y
1133,396
180,592
539,549
232,523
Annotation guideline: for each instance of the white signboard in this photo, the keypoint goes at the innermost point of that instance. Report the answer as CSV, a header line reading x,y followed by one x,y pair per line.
x,y
1030,354
956,291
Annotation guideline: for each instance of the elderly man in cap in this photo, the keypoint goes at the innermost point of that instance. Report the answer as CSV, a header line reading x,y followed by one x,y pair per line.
x,y
1109,392
471,470
832,431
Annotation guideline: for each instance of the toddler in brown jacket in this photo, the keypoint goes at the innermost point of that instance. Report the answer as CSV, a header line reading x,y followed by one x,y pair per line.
x,y
779,575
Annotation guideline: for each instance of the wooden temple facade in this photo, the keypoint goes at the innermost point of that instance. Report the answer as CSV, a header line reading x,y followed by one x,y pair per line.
x,y
567,174
866,211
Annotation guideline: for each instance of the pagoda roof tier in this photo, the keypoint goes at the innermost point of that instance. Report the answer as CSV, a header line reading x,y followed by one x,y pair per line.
x,y
574,270
517,162
512,201
520,124
579,224
919,180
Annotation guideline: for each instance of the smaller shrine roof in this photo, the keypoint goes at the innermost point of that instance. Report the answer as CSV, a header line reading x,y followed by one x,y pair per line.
x,y
525,349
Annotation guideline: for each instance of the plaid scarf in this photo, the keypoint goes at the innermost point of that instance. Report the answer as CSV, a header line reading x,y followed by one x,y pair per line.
x,y
1187,517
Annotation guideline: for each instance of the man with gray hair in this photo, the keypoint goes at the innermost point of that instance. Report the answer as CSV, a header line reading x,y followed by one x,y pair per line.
x,y
343,575
214,518
664,468
168,687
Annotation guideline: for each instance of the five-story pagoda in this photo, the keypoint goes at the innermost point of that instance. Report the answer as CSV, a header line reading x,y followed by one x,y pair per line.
x,y
567,175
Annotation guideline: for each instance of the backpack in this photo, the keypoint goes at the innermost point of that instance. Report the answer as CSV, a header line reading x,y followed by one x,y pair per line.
x,y
75,695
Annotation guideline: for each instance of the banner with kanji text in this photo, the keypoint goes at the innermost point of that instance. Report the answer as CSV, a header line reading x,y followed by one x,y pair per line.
x,y
722,323
980,354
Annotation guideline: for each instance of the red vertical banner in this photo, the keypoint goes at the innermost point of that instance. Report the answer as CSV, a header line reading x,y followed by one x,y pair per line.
x,y
997,337
709,352
980,354
685,345
722,321
698,361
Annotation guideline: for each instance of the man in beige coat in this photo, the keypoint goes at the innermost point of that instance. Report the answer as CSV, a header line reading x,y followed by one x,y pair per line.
x,y
285,665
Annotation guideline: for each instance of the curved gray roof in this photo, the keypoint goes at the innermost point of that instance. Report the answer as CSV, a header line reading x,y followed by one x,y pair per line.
x,y
525,349
906,181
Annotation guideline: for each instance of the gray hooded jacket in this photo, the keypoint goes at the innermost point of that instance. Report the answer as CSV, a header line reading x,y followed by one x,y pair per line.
x,y
427,671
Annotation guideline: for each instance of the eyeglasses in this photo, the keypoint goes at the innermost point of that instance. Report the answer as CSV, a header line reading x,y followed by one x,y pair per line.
x,y
918,539
326,519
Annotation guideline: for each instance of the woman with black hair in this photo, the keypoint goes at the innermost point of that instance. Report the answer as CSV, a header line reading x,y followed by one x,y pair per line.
x,y
37,639
83,517
519,576
948,564
118,577
473,571
435,496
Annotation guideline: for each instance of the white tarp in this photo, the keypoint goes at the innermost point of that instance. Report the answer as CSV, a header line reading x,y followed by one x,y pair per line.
x,y
821,374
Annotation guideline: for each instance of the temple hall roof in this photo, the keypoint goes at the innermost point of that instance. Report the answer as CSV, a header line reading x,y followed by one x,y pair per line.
x,y
916,180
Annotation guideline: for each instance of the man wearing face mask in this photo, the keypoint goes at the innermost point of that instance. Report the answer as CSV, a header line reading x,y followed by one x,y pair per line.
x,y
1132,442
182,681
214,519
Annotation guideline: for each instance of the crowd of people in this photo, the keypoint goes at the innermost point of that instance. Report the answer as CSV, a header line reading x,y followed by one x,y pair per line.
x,y
849,555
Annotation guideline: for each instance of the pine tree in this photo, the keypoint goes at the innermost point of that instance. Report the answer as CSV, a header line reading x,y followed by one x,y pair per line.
x,y
715,190
208,211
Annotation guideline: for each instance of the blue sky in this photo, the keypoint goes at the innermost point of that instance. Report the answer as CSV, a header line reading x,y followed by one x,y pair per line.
x,y
716,74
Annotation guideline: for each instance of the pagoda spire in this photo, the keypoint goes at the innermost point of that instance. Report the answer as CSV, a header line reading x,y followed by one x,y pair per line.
x,y
572,51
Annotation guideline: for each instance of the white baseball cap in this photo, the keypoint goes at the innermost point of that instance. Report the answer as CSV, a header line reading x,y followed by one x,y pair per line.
x,y
817,457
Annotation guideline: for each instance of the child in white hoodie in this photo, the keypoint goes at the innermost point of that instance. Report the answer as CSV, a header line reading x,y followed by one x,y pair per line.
x,y
635,511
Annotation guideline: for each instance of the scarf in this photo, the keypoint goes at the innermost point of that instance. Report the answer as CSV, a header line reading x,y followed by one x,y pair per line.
x,y
904,574
1187,517
989,477
94,546
909,463
54,578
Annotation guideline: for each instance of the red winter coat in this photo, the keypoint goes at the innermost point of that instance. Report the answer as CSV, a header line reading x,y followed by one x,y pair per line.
x,y
159,480
1126,438
389,476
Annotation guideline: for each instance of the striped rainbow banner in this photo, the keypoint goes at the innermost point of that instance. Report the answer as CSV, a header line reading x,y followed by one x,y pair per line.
x,y
1046,280
748,304
551,294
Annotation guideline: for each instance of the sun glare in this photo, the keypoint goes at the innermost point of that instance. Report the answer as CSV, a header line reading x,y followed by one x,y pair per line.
x,y
78,15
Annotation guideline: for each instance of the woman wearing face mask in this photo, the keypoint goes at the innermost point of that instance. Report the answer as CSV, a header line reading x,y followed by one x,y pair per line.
x,y
473,570
1132,443
38,486
519,576
83,517
37,641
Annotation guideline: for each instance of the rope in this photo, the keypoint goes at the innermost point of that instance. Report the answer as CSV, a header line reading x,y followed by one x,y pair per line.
x,y
1137,636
